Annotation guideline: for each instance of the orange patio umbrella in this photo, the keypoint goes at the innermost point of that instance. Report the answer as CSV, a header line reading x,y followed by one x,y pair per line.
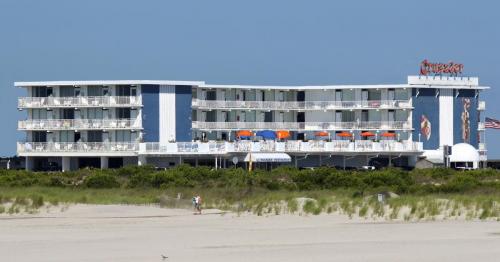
x,y
344,134
244,133
281,134
367,134
321,133
387,134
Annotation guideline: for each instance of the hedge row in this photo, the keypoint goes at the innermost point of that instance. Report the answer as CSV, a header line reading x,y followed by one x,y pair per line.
x,y
284,178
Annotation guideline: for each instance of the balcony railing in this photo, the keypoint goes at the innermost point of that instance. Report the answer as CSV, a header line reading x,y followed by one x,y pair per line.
x,y
80,101
369,125
78,124
273,146
296,105
78,147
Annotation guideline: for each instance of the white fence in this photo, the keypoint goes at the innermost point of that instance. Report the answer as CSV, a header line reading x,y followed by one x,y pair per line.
x,y
78,124
303,105
77,147
368,125
273,146
80,101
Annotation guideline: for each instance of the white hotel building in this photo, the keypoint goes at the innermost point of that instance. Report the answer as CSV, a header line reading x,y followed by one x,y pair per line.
x,y
75,124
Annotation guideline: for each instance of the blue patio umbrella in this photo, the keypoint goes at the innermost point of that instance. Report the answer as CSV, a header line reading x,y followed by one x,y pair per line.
x,y
266,134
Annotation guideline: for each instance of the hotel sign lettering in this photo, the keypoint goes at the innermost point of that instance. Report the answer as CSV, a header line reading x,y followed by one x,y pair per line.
x,y
450,68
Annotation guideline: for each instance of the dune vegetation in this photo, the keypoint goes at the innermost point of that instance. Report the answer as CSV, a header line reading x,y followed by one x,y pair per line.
x,y
406,195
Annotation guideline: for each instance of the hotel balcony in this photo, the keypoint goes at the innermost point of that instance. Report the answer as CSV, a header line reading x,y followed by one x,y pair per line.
x,y
339,146
82,148
304,126
305,105
481,106
79,124
78,102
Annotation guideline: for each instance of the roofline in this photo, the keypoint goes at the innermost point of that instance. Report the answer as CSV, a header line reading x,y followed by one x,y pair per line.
x,y
202,84
107,82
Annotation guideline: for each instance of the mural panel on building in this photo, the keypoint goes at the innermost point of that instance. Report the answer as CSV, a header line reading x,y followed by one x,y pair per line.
x,y
426,117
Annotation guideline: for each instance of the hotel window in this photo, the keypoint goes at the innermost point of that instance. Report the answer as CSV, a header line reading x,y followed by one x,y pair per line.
x,y
364,95
67,113
268,116
123,136
282,117
374,94
374,116
123,90
338,116
39,136
263,95
401,115
94,113
348,116
338,95
105,90
77,91
211,95
225,117
347,95
123,113
194,115
211,116
66,136
38,113
41,91
401,94
364,115
94,91
94,136
281,96
66,91
391,94
391,116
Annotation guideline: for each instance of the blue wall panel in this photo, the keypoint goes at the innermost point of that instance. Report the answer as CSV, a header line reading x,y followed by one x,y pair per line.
x,y
426,113
151,112
183,123
465,118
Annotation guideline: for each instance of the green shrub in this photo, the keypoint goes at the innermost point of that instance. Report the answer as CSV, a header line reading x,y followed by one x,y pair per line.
x,y
101,181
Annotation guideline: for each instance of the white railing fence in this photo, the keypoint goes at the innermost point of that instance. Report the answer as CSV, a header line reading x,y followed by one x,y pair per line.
x,y
76,147
78,124
274,146
299,105
303,125
79,101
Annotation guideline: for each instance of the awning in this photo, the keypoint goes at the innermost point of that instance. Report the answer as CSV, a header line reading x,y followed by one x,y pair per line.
x,y
268,157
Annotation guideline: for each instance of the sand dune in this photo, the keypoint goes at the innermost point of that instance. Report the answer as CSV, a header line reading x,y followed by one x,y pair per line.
x,y
141,233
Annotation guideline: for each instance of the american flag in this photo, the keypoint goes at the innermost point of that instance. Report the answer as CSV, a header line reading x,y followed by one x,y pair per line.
x,y
492,123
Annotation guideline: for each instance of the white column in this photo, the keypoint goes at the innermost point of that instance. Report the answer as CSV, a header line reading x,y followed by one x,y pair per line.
x,y
141,160
446,117
104,162
29,163
66,163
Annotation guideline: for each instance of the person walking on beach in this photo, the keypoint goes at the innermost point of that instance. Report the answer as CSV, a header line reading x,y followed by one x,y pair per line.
x,y
197,203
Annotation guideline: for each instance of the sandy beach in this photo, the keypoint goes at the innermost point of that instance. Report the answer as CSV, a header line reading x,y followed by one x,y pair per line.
x,y
143,233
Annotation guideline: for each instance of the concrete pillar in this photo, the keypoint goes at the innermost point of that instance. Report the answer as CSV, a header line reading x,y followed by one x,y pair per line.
x,y
104,162
29,163
66,163
141,160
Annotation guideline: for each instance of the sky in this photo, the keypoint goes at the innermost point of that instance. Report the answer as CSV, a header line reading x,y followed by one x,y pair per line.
x,y
282,42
